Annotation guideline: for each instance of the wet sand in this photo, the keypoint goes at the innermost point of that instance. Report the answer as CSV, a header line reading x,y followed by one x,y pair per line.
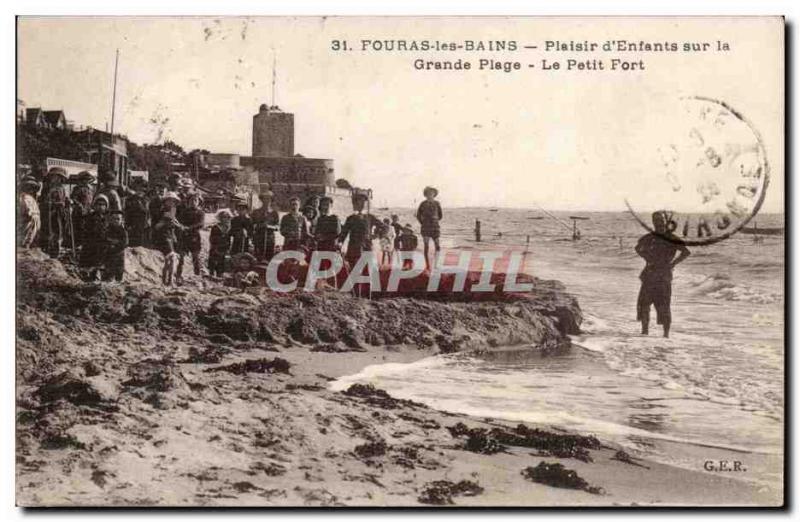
x,y
135,395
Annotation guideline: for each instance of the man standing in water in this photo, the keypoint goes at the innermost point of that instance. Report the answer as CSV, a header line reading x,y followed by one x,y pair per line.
x,y
658,249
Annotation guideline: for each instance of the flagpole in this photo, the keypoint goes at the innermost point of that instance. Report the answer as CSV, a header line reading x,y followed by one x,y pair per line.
x,y
273,79
114,95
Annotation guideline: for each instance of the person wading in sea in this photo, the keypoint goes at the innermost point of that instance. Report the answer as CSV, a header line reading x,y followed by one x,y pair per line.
x,y
658,249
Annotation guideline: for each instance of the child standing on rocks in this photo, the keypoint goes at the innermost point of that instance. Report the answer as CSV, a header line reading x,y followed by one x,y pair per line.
x,y
116,240
93,250
241,228
167,231
192,218
387,242
219,243
30,220
408,243
294,227
429,214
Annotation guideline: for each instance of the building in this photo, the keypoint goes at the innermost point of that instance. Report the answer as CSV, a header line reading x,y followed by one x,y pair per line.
x,y
273,133
285,173
36,117
72,168
108,152
220,161
55,119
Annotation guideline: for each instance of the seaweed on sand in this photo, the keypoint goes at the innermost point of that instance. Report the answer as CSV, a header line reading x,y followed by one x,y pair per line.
x,y
441,492
627,459
558,476
377,397
276,365
481,440
370,449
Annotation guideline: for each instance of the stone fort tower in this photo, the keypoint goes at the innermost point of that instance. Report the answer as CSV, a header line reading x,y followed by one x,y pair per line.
x,y
273,133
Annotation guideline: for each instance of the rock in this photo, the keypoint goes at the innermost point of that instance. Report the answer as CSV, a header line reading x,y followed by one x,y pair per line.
x,y
156,375
300,331
91,369
72,388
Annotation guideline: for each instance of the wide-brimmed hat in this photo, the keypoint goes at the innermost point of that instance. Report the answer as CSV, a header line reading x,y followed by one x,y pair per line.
x,y
326,198
30,181
224,213
100,198
359,196
85,175
294,198
116,213
426,190
171,196
56,171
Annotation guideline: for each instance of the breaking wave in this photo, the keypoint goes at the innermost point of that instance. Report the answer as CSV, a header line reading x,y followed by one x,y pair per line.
x,y
724,287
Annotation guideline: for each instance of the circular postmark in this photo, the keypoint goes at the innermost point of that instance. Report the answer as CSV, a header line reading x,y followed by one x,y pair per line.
x,y
709,173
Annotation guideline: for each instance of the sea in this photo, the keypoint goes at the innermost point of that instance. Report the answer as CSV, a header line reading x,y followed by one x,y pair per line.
x,y
712,391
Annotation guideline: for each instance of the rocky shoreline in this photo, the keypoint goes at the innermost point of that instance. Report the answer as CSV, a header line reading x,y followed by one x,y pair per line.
x,y
136,395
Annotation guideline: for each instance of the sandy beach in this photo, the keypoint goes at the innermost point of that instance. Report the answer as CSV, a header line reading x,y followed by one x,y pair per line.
x,y
132,394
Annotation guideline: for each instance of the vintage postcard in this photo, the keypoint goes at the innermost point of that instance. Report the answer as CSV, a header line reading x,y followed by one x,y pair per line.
x,y
400,261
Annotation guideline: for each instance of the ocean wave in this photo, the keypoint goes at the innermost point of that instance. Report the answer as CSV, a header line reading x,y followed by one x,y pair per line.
x,y
688,364
722,286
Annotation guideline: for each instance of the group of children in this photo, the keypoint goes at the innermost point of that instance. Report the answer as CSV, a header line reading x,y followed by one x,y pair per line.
x,y
90,220
312,226
95,220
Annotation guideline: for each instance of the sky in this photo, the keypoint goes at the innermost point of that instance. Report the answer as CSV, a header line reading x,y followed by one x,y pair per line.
x,y
571,140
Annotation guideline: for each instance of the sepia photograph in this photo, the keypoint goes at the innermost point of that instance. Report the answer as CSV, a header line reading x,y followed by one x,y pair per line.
x,y
408,261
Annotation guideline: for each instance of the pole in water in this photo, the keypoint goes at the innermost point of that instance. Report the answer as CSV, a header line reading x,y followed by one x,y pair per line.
x,y
527,243
477,230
